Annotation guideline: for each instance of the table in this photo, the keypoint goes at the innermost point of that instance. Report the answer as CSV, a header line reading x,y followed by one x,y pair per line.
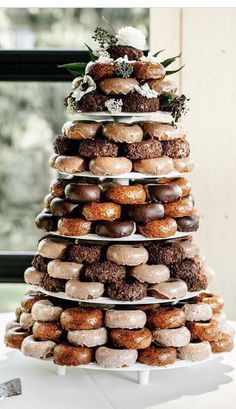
x,y
210,385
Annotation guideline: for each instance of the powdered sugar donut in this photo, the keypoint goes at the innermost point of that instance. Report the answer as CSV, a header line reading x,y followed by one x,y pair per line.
x,y
175,337
37,349
115,358
88,338
197,312
195,351
44,310
128,319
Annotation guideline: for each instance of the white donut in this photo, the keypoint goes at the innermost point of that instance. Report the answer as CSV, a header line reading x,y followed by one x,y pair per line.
x,y
195,351
26,320
44,310
12,324
127,255
66,270
83,290
88,338
115,358
33,276
128,319
220,317
190,249
37,349
173,288
197,312
176,337
151,273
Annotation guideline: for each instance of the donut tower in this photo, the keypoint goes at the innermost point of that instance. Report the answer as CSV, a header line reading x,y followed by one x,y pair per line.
x,y
118,282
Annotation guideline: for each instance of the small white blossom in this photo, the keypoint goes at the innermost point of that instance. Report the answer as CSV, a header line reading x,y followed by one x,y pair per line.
x,y
104,60
131,36
85,85
101,53
88,67
125,59
150,58
146,91
114,106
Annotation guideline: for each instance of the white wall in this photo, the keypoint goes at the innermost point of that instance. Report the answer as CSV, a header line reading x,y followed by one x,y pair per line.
x,y
207,38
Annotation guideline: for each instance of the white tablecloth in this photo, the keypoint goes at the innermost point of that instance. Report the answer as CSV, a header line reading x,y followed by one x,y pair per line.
x,y
210,385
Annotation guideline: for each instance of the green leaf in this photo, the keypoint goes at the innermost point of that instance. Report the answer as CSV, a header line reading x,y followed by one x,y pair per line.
x,y
166,99
158,52
75,68
92,57
169,61
174,71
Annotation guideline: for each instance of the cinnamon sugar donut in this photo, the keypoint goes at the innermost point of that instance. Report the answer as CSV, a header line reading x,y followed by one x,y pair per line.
x,y
69,164
131,339
127,255
184,184
68,355
162,228
57,187
81,129
157,356
73,227
126,195
47,331
125,319
175,337
146,70
224,344
101,70
101,211
122,132
183,164
165,317
44,310
180,208
204,331
77,318
215,301
118,86
64,269
195,351
107,166
83,290
88,338
30,299
15,336
157,166
150,273
37,349
115,358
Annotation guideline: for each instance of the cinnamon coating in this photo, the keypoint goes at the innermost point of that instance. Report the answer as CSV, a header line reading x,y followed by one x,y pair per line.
x,y
131,339
224,344
101,211
204,331
15,336
215,301
73,227
47,331
158,356
133,194
162,228
80,318
180,208
67,355
57,187
165,317
184,184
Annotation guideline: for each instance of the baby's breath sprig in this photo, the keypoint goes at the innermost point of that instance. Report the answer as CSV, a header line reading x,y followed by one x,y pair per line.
x,y
124,69
104,38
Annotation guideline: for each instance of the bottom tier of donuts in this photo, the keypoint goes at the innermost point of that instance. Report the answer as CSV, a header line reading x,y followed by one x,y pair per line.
x,y
73,334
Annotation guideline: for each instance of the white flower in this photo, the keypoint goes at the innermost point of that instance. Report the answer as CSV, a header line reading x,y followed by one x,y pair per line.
x,y
88,67
104,60
131,36
125,59
84,85
146,91
101,53
114,106
150,58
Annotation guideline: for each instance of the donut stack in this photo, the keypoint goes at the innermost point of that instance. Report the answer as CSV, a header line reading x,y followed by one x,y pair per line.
x,y
118,277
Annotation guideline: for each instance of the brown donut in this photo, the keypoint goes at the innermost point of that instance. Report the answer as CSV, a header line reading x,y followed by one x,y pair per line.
x,y
119,132
82,192
162,228
15,336
184,184
204,331
68,355
146,70
73,227
118,86
146,212
224,344
47,331
158,356
99,71
57,187
81,318
180,208
30,299
69,164
101,211
165,317
47,201
103,166
157,166
163,86
81,129
61,207
163,192
131,339
215,301
116,228
126,194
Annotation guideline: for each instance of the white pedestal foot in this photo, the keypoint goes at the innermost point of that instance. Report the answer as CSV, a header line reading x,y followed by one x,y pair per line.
x,y
143,377
60,370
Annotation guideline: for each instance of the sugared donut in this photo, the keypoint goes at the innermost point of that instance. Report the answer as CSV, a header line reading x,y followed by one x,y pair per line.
x,y
44,310
46,221
131,339
84,291
175,337
188,223
15,336
183,164
47,331
215,301
88,338
163,132
115,358
165,317
157,356
101,70
118,86
121,132
116,228
152,148
156,166
73,226
164,193
162,228
80,318
164,252
146,212
101,211
84,253
147,70
163,86
57,187
127,291
204,331
197,312
64,269
82,192
104,272
184,184
68,355
150,273
37,349
52,248
127,255
171,289
125,319
180,208
69,164
81,129
107,166
97,147
126,195
26,320
224,344
30,299
195,351
32,276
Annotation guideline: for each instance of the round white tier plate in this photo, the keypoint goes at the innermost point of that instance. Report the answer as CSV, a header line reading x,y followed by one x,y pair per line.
x,y
133,237
128,176
109,301
128,117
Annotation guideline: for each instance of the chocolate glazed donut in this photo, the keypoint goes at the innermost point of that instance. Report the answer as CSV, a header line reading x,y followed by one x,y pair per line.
x,y
115,228
146,212
164,193
79,192
188,223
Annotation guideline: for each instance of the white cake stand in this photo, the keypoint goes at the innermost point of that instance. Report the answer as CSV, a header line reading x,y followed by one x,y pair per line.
x,y
132,237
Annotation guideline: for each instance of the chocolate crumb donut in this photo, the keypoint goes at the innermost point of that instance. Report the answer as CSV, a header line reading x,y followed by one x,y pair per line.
x,y
105,272
137,103
164,253
65,146
176,148
52,284
149,149
40,263
188,223
190,271
123,291
83,253
91,102
92,148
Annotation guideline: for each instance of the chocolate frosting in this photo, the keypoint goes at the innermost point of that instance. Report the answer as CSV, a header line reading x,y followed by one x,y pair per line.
x,y
188,223
115,229
146,212
79,192
46,221
61,207
164,193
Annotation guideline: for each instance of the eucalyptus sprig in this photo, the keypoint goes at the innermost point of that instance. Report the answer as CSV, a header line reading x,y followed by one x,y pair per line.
x,y
124,69
174,104
104,38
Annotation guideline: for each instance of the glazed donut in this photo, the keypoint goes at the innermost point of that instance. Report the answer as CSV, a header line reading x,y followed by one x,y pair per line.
x,y
127,255
69,164
164,193
64,269
163,86
47,331
157,356
131,339
215,301
117,51
175,337
84,291
224,344
165,317
12,324
104,272
181,208
73,227
146,212
126,195
78,318
52,248
184,184
183,164
121,132
46,221
162,228
47,201
44,310
125,319
156,166
190,248
57,187
83,253
164,132
188,223
88,338
82,192
81,129
68,355
101,211
101,70
103,166
123,291
33,276
26,320
165,252
97,147
173,288
30,299
152,148
115,358
197,312
62,207
37,349
204,331
52,160
195,351
116,229
15,336
147,70
150,273
118,86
